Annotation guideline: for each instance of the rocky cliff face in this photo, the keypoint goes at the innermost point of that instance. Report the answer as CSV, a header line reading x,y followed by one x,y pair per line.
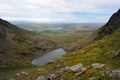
x,y
112,25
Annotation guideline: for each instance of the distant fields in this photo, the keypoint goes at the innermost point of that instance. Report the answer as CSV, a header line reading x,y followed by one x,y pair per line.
x,y
65,35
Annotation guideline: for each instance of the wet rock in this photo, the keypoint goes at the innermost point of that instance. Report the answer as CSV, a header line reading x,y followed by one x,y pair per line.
x,y
51,61
76,68
97,65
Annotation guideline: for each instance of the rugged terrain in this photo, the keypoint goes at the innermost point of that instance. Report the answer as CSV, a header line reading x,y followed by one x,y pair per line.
x,y
96,61
100,60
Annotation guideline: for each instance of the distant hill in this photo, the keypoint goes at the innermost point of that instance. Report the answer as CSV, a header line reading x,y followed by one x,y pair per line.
x,y
19,47
47,26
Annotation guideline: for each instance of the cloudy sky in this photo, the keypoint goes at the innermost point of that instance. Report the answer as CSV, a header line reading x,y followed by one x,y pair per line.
x,y
58,10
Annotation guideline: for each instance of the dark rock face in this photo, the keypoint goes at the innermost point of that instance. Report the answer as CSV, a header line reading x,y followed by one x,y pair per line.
x,y
112,25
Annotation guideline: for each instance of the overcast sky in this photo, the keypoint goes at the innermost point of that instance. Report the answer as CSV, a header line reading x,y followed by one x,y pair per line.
x,y
58,10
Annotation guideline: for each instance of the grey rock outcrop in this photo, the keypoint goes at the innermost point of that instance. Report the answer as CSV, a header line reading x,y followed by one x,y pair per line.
x,y
97,65
76,68
41,78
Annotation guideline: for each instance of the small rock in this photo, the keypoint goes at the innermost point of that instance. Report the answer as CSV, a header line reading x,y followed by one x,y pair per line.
x,y
41,78
39,69
61,79
83,69
97,65
51,61
76,68
114,73
51,77
117,53
24,73
58,65
91,78
18,74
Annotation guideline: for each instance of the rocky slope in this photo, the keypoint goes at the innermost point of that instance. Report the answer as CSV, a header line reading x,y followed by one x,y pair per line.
x,y
112,25
19,47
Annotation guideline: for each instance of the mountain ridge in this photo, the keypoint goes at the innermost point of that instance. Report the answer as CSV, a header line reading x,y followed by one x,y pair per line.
x,y
107,29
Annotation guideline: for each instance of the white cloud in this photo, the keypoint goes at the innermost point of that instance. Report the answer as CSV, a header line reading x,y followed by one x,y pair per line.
x,y
57,9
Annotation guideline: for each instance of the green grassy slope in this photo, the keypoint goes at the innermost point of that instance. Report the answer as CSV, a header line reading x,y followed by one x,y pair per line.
x,y
102,51
67,39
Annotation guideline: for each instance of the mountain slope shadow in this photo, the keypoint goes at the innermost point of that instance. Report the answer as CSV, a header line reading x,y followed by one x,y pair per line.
x,y
19,47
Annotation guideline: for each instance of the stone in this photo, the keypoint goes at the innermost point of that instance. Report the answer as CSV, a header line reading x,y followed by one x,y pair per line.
x,y
58,65
97,65
25,73
51,61
91,78
39,69
41,78
117,53
18,74
83,69
61,79
76,68
114,73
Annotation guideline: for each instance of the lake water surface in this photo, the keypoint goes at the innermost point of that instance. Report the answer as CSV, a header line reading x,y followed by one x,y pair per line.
x,y
48,57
